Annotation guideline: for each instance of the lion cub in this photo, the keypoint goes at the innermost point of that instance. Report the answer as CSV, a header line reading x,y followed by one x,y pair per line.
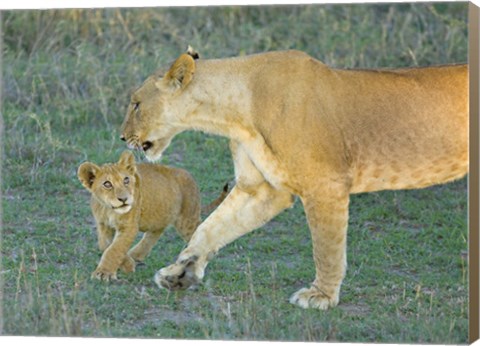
x,y
129,197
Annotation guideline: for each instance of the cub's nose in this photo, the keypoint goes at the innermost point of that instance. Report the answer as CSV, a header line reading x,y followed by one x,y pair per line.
x,y
122,199
122,137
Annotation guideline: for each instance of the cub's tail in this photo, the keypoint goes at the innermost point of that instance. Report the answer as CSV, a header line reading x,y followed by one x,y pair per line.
x,y
209,208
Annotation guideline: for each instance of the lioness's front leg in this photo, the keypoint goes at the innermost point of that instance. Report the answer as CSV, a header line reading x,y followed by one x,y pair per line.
x,y
250,204
116,255
327,214
241,212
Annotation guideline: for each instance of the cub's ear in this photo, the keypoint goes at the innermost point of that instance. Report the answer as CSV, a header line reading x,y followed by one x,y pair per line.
x,y
181,72
87,173
127,160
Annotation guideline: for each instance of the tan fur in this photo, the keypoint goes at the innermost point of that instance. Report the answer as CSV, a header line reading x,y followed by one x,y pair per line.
x,y
153,197
299,127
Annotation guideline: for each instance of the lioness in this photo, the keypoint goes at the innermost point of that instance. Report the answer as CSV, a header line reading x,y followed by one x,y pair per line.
x,y
299,127
128,197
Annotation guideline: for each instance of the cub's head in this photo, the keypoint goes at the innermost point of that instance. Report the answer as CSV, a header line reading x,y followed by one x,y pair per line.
x,y
156,110
113,185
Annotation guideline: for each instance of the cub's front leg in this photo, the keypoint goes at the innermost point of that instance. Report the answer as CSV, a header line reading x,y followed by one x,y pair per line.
x,y
104,235
115,255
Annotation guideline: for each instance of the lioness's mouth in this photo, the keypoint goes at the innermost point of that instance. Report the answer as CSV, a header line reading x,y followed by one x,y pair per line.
x,y
152,148
146,145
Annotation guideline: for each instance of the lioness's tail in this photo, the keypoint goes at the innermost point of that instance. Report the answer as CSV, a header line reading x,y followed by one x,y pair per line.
x,y
209,208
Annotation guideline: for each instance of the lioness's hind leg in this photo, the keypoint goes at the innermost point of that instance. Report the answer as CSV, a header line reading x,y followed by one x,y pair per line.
x,y
327,215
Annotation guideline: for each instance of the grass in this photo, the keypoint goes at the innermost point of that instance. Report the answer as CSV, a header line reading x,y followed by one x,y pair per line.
x,y
67,76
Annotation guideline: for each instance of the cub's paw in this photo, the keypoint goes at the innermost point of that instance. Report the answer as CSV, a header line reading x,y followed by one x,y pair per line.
x,y
128,264
178,276
313,298
104,275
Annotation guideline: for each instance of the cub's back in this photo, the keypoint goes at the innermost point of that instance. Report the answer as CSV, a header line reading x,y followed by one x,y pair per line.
x,y
164,191
159,177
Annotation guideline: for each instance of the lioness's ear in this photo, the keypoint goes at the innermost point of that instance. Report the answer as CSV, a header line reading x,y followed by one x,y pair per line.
x,y
193,53
181,72
127,160
87,173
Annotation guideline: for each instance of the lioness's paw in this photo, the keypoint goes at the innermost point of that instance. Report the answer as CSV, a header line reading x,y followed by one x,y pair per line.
x,y
178,276
313,298
128,264
104,275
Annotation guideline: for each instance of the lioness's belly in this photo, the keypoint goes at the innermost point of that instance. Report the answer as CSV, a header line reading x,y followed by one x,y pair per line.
x,y
395,175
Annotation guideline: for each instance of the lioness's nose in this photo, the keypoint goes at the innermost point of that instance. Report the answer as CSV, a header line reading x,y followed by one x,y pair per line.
x,y
122,199
122,137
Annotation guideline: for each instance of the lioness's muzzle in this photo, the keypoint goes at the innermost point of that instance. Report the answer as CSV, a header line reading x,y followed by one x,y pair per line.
x,y
146,145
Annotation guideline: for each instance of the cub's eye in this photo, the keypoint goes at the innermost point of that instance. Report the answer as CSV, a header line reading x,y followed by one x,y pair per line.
x,y
135,106
107,185
126,181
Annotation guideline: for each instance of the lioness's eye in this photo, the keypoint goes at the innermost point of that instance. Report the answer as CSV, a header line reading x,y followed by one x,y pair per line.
x,y
136,105
107,185
126,181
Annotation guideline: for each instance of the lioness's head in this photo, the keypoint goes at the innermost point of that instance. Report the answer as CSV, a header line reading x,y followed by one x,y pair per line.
x,y
113,185
154,115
